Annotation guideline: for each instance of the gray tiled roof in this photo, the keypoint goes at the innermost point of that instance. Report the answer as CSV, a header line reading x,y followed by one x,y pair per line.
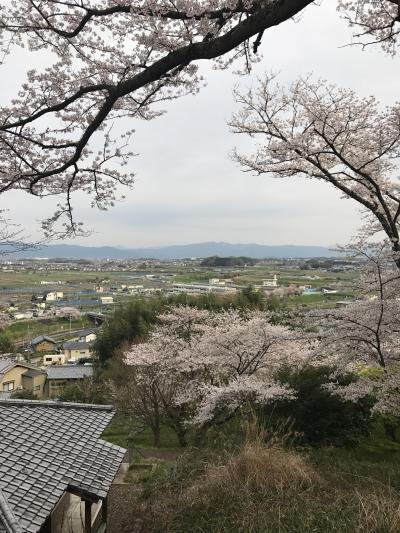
x,y
5,363
33,372
47,448
42,338
76,345
69,371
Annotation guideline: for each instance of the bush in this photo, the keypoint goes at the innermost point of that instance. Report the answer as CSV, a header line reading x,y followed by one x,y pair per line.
x,y
129,323
318,416
23,395
6,345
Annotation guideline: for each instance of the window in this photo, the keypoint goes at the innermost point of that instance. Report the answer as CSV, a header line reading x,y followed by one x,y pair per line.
x,y
37,387
8,386
49,359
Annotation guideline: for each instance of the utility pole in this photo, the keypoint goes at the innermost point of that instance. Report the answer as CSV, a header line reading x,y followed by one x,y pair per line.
x,y
28,346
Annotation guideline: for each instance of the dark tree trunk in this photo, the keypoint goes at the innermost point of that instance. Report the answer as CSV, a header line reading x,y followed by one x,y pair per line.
x,y
390,427
156,436
199,440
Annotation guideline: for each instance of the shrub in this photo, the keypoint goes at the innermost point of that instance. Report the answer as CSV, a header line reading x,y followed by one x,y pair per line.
x,y
129,323
257,467
318,416
23,395
6,345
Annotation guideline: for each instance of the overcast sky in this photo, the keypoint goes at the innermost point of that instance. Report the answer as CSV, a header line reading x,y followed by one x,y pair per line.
x,y
188,190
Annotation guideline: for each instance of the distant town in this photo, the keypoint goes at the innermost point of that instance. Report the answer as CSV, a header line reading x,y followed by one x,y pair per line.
x,y
55,307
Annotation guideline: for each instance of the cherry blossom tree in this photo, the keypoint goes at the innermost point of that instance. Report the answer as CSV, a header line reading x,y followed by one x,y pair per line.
x,y
375,21
214,363
110,59
366,331
321,131
138,398
364,336
160,371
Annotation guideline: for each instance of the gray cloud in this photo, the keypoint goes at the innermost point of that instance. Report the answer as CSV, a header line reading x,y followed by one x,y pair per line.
x,y
187,189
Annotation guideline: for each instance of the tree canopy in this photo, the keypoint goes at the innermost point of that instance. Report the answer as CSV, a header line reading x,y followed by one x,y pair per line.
x,y
117,58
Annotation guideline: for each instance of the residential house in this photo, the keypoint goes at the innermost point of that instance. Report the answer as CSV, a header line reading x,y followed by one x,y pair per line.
x,y
199,288
23,316
55,469
43,343
53,296
75,350
54,359
271,282
59,376
328,290
15,376
85,335
67,312
106,300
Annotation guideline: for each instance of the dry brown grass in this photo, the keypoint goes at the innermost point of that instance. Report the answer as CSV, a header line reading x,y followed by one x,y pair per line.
x,y
379,511
258,467
266,487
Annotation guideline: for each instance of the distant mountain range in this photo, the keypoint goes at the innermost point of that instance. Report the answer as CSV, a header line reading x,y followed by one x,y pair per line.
x,y
200,250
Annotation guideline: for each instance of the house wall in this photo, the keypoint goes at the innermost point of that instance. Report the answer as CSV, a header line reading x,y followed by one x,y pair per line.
x,y
15,376
54,387
12,376
44,346
89,338
60,515
77,354
54,359
35,384
69,515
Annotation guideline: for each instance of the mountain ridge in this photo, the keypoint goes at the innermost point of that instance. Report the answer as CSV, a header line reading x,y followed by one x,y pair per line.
x,y
180,251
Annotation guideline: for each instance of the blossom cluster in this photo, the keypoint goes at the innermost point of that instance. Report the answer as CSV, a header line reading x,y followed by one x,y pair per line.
x,y
218,361
328,133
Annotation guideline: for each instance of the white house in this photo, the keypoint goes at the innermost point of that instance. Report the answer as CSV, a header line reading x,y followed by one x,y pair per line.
x,y
272,282
53,296
85,335
197,288
73,351
54,359
105,300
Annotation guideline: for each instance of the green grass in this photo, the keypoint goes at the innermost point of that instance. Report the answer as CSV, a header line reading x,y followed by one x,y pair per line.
x,y
318,299
144,470
121,432
25,331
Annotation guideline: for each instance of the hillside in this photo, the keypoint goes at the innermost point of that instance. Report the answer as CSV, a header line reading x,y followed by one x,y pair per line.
x,y
206,249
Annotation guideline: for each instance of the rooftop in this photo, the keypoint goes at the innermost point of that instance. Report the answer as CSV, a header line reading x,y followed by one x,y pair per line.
x,y
46,448
5,363
42,338
75,345
8,364
69,371
33,372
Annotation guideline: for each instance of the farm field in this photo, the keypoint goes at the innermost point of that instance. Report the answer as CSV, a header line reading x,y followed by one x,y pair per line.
x,y
21,283
26,330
